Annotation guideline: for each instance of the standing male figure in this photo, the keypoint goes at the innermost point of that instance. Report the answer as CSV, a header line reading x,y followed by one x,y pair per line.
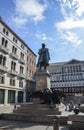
x,y
44,57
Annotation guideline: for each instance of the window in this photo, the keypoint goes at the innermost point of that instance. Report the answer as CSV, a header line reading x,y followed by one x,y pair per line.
x,y
1,96
82,76
22,46
13,65
21,55
20,96
2,79
2,60
12,82
4,42
20,83
21,69
15,39
5,31
14,49
11,96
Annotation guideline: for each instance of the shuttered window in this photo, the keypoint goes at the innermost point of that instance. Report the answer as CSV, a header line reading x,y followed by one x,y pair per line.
x,y
1,96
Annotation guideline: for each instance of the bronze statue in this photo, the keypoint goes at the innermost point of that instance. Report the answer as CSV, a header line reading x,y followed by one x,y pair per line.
x,y
44,57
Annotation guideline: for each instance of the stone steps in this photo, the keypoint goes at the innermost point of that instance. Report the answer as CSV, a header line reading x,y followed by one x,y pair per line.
x,y
33,113
34,118
39,112
36,109
29,118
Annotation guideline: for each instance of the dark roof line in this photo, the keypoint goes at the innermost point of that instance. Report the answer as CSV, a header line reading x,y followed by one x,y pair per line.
x,y
73,61
68,62
1,20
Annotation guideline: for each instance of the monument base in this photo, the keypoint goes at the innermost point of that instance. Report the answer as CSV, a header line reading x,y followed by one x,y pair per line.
x,y
42,80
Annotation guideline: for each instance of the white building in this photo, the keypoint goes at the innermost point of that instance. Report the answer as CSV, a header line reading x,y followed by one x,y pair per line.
x,y
68,76
13,66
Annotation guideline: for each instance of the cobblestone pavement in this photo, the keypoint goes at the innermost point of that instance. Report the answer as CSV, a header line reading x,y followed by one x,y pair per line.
x,y
19,125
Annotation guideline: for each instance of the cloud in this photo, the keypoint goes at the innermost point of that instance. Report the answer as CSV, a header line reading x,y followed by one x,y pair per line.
x,y
76,5
80,7
72,12
70,24
71,37
19,20
42,36
26,10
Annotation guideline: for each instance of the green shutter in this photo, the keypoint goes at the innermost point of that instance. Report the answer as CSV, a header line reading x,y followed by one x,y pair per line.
x,y
11,96
1,96
20,97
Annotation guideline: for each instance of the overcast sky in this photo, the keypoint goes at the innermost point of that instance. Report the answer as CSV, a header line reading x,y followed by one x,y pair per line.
x,y
57,23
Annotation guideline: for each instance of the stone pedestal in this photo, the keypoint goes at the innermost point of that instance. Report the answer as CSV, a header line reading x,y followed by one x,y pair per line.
x,y
42,80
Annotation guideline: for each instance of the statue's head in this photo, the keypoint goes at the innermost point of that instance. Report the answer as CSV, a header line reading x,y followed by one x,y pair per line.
x,y
43,45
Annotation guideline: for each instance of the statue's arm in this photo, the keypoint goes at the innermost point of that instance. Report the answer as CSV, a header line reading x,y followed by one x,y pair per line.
x,y
39,52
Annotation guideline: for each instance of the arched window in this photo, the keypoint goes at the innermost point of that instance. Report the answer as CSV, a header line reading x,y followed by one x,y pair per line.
x,y
6,43
3,40
14,65
1,59
11,65
4,61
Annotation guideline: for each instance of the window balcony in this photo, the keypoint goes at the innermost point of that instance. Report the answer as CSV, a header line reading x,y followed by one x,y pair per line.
x,y
4,49
13,72
21,75
22,61
3,68
13,55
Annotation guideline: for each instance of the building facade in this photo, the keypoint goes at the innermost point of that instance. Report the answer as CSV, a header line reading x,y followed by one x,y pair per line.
x,y
68,76
31,69
15,67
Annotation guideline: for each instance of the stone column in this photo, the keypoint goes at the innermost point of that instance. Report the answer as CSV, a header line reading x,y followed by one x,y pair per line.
x,y
16,97
24,96
6,97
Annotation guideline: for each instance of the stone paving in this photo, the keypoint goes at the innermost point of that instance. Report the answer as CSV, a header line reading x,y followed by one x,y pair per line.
x,y
19,125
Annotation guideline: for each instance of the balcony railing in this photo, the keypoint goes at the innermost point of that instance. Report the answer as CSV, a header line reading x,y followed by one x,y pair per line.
x,y
22,61
13,55
21,75
13,72
4,49
3,68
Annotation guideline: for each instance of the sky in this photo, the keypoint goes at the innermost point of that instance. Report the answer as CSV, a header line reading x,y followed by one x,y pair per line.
x,y
57,23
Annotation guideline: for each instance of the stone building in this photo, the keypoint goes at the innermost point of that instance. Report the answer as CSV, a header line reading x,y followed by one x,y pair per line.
x,y
31,69
17,66
68,76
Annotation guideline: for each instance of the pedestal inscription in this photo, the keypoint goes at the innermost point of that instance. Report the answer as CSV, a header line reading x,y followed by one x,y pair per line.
x,y
42,80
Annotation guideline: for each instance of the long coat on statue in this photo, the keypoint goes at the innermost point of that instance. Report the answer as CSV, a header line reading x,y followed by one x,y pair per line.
x,y
44,56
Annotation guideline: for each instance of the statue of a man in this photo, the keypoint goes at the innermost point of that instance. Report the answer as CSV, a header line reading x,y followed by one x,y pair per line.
x,y
44,57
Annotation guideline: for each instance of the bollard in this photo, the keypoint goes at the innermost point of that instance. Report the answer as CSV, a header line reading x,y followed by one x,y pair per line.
x,y
55,124
15,107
